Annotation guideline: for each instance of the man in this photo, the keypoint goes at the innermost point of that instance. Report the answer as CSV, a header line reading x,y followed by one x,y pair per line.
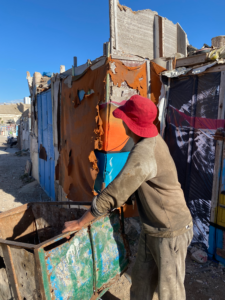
x,y
167,228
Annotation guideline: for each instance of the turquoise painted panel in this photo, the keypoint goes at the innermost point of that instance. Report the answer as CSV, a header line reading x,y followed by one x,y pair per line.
x,y
110,254
70,268
110,165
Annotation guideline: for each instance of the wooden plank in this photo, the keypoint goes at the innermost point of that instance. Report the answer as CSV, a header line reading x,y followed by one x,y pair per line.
x,y
25,271
219,155
17,244
192,60
218,68
222,96
13,283
5,290
216,180
38,275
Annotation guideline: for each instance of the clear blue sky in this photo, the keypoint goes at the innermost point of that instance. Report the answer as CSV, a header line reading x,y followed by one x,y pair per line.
x,y
38,36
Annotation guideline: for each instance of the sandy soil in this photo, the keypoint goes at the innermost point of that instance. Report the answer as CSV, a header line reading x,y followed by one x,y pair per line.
x,y
203,282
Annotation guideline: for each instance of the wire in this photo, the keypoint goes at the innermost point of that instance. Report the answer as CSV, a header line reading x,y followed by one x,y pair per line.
x,y
119,145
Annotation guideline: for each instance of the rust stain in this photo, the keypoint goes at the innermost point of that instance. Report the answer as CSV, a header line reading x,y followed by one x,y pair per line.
x,y
81,131
135,77
43,153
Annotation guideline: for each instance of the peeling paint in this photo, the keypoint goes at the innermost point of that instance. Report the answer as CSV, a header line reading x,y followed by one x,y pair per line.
x,y
91,261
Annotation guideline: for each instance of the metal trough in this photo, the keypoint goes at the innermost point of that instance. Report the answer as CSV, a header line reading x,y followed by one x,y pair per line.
x,y
41,263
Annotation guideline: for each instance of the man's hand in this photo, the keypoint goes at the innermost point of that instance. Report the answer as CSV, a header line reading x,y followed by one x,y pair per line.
x,y
72,226
78,224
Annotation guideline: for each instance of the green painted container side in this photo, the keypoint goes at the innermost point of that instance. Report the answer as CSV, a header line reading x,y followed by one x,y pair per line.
x,y
70,268
109,251
41,254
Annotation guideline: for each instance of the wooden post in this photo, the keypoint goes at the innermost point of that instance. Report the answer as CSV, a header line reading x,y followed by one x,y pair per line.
x,y
156,36
39,280
219,155
11,271
148,78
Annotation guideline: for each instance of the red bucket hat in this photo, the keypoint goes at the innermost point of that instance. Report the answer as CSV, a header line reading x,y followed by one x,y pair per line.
x,y
138,113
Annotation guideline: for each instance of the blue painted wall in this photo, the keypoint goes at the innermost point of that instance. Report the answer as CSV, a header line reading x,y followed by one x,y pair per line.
x,y
110,164
45,138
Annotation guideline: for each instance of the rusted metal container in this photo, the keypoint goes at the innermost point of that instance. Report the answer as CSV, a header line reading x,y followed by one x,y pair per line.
x,y
43,264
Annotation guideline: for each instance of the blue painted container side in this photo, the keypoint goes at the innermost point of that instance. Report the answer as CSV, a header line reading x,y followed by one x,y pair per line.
x,y
45,138
219,244
110,164
212,241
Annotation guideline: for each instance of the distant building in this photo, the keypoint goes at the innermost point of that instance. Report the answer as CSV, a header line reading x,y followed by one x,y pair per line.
x,y
11,113
26,100
24,130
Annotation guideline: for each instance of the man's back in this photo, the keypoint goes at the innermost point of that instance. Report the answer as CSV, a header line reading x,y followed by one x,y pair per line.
x,y
161,202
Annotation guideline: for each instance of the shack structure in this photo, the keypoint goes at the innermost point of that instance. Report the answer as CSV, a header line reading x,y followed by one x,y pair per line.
x,y
191,107
77,146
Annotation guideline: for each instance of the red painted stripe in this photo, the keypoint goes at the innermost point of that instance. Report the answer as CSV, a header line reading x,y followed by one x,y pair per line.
x,y
195,122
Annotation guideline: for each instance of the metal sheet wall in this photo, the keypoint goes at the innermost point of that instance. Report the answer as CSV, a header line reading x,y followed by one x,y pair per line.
x,y
45,139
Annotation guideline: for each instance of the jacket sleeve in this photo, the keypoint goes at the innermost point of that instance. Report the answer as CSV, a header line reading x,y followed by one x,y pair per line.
x,y
140,167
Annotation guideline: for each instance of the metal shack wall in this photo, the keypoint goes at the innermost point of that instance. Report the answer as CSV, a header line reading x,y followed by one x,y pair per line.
x,y
45,144
193,118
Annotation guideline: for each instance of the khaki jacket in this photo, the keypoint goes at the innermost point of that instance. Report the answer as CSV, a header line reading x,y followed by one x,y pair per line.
x,y
149,170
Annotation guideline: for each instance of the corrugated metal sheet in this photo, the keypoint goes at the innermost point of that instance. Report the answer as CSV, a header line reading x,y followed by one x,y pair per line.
x,y
45,139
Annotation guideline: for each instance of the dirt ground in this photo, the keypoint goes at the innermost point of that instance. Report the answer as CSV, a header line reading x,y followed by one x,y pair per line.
x,y
13,190
203,281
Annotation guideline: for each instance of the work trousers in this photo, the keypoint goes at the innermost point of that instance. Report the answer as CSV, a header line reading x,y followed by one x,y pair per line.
x,y
159,270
